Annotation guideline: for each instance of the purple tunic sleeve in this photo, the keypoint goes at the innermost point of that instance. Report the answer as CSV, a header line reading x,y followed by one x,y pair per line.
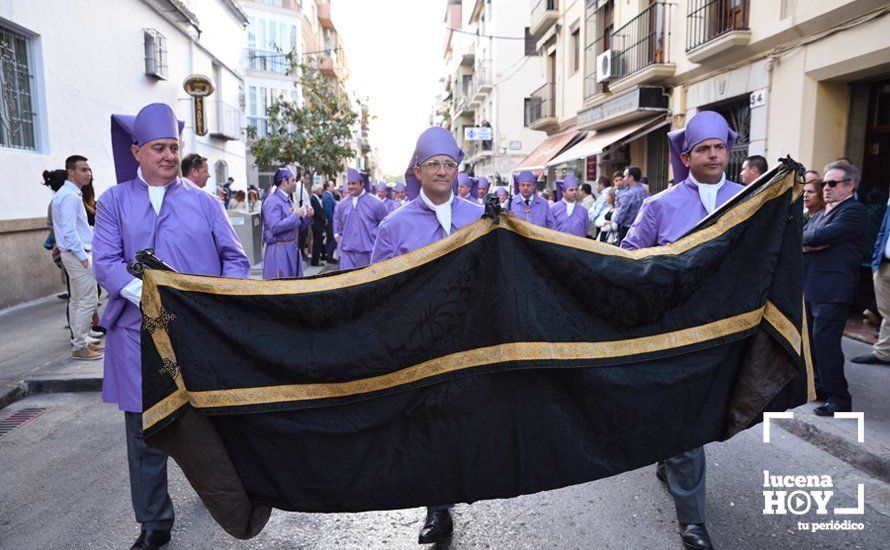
x,y
338,215
281,221
231,254
109,261
383,248
644,231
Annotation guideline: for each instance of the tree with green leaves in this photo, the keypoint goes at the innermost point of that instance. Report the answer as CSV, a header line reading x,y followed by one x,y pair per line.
x,y
314,135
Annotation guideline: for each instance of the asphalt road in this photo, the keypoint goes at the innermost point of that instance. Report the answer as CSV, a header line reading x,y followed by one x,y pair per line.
x,y
63,484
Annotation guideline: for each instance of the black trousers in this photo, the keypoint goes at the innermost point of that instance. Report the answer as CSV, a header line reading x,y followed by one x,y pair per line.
x,y
318,247
330,243
826,321
685,474
148,478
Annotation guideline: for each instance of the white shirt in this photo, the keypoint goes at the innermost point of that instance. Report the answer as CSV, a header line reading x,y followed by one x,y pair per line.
x,y
708,192
570,207
355,199
442,211
133,290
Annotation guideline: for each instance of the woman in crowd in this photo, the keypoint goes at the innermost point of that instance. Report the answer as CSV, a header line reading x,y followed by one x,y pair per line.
x,y
253,201
812,199
239,201
608,230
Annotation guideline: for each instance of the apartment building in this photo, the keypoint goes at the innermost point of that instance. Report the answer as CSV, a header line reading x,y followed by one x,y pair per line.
x,y
488,67
810,79
58,95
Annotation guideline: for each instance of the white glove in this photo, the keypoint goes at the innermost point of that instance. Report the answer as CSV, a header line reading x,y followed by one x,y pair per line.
x,y
133,292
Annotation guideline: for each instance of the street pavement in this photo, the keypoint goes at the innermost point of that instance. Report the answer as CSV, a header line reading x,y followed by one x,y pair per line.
x,y
64,480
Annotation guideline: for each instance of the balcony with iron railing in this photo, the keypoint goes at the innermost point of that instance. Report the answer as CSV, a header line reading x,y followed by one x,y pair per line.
x,y
714,26
544,14
540,108
483,80
592,87
227,121
640,49
267,60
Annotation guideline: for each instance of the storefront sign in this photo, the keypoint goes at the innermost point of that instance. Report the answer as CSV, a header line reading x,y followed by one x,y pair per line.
x,y
477,133
634,104
198,86
591,169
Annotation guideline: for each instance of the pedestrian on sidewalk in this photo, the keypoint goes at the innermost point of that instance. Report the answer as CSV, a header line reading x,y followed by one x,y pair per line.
x,y
74,237
833,240
628,200
880,265
329,202
752,168
151,207
195,170
319,223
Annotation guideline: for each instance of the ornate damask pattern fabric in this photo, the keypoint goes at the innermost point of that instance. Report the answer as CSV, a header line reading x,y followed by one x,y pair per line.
x,y
503,360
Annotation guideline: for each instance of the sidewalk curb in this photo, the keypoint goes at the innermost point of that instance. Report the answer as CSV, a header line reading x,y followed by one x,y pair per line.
x,y
27,388
872,458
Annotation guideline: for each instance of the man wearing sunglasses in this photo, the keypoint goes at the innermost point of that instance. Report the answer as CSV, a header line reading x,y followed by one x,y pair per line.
x,y
833,241
195,170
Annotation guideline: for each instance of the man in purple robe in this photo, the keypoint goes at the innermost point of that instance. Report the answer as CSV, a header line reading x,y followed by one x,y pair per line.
x,y
465,187
568,214
355,221
527,204
699,156
400,195
482,189
151,208
384,193
282,222
433,213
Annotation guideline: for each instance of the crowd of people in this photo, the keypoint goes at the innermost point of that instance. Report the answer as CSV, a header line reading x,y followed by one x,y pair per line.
x,y
159,203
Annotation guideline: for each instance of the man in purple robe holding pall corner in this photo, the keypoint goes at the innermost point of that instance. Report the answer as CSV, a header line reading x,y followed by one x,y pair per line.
x,y
356,218
433,213
699,156
151,208
527,204
282,221
568,214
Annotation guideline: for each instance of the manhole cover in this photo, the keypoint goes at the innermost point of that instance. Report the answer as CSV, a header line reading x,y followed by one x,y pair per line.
x,y
18,418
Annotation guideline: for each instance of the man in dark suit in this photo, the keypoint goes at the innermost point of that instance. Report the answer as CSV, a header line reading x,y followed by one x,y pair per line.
x,y
329,202
833,241
318,225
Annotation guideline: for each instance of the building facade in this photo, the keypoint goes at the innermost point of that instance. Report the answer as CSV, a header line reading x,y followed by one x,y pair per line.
x,y
58,95
488,67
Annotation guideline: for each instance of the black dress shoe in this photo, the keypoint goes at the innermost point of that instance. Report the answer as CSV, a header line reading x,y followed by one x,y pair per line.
x,y
869,359
659,473
151,540
695,536
829,408
437,528
63,296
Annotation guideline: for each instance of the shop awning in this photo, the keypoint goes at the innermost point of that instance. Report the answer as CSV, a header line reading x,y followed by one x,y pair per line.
x,y
539,159
596,142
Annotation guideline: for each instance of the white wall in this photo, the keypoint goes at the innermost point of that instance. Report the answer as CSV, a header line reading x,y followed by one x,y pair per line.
x,y
82,76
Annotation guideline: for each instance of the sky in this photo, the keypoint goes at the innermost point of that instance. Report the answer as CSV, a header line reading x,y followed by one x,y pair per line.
x,y
395,53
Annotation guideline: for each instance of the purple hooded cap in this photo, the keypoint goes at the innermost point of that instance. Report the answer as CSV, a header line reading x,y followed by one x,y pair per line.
x,y
354,175
502,191
400,187
282,174
484,183
154,121
467,181
569,181
704,125
433,141
526,176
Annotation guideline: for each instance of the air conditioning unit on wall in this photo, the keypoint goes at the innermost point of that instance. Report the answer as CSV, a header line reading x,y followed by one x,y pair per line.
x,y
604,66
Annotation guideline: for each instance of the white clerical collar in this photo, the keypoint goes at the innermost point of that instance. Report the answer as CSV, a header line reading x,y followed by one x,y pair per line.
x,y
442,211
355,199
708,192
570,206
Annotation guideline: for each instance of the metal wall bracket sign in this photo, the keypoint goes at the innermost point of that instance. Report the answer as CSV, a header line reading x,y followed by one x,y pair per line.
x,y
477,133
198,86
